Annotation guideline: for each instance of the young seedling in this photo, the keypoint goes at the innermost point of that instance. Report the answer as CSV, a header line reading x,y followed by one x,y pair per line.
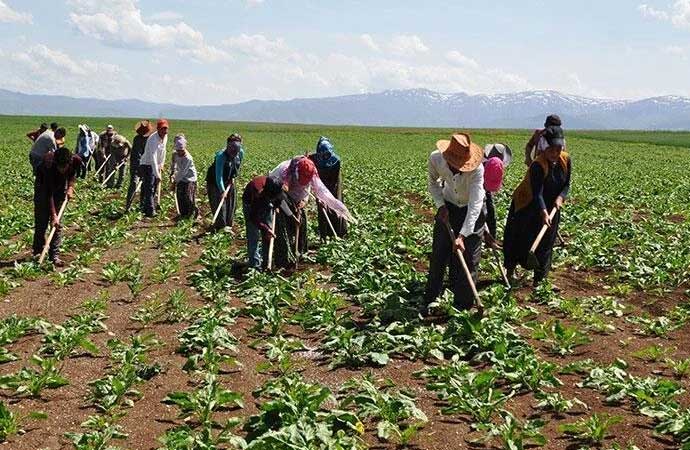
x,y
592,430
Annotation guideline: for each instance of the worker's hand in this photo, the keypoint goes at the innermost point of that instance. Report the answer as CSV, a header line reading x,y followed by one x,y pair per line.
x,y
270,234
491,242
302,204
442,214
459,243
70,192
559,202
546,220
54,221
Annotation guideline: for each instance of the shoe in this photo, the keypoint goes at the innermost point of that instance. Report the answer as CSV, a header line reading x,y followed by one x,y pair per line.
x,y
57,262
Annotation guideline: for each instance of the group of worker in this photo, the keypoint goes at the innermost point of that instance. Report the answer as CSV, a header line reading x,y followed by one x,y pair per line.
x,y
462,179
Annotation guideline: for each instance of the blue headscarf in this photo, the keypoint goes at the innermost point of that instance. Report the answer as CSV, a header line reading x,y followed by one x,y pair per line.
x,y
326,157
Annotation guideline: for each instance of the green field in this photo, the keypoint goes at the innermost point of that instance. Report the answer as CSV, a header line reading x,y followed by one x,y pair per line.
x,y
146,339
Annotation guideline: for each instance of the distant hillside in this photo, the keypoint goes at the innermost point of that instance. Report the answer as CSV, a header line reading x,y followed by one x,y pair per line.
x,y
415,107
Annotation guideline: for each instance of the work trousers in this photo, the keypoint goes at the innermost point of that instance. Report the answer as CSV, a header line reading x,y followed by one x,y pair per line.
x,y
226,216
186,199
42,220
149,187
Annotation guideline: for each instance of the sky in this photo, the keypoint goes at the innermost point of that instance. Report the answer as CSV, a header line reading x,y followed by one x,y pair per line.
x,y
199,52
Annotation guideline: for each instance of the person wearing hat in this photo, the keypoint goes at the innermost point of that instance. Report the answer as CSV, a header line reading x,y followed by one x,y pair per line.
x,y
545,186
328,166
33,135
261,196
496,158
151,166
87,141
105,141
55,180
220,175
143,129
532,149
456,184
183,178
120,150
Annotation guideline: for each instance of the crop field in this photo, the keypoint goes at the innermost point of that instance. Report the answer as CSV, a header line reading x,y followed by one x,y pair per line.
x,y
147,339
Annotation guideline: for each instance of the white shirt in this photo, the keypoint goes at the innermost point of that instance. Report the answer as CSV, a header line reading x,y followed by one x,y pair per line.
x,y
154,153
461,189
182,168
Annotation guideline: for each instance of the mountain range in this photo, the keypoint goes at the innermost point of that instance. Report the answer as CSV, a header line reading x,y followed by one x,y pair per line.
x,y
412,107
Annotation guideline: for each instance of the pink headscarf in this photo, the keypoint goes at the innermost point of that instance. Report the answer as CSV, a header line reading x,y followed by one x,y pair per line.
x,y
493,174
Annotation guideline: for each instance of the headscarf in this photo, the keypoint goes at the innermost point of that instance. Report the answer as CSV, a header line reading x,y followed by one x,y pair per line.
x,y
162,123
325,153
304,171
180,142
493,174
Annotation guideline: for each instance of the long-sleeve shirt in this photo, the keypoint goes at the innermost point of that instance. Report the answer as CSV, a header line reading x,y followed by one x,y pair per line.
x,y
296,191
461,189
546,189
225,168
138,145
257,203
154,153
49,178
182,169
33,135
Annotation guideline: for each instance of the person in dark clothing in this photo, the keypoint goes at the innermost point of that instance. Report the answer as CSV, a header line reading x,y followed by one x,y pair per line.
x,y
143,129
261,196
55,181
532,148
328,166
544,187
220,176
493,181
183,178
33,135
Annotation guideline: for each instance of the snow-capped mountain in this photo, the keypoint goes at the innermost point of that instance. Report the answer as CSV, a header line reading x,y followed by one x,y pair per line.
x,y
413,107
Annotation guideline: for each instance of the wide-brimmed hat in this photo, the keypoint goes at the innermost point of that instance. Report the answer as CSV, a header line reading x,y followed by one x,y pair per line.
x,y
460,152
499,150
143,127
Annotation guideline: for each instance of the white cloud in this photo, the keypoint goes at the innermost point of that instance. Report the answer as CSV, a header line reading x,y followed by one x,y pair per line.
x,y
9,15
253,3
369,42
455,57
678,14
407,45
676,51
206,54
257,46
166,16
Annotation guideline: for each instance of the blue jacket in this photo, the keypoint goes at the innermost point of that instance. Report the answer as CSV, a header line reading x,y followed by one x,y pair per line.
x,y
221,160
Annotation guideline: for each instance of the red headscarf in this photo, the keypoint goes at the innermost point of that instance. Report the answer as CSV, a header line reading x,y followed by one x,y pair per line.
x,y
305,171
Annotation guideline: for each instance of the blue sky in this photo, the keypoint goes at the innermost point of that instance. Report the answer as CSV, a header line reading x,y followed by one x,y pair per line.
x,y
226,51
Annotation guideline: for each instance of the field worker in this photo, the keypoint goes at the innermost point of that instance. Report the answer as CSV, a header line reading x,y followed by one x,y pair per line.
x,y
456,184
120,150
55,180
183,177
151,166
532,148
328,166
300,177
33,135
87,141
497,157
545,186
261,196
143,129
45,143
99,156
220,180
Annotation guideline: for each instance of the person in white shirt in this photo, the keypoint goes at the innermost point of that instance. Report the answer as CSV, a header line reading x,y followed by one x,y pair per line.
x,y
183,178
456,184
151,166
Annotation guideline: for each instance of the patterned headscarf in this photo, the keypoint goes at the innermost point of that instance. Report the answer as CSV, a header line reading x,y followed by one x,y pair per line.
x,y
325,153
180,142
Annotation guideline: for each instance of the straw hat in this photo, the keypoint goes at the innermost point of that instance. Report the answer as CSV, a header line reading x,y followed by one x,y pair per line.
x,y
143,127
460,152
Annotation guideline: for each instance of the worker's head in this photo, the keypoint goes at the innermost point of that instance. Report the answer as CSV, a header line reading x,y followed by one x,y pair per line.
x,y
556,143
110,130
62,159
305,170
60,133
273,187
233,145
162,127
43,127
180,144
54,126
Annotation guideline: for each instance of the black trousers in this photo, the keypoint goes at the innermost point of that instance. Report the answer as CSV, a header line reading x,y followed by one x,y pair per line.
x,y
42,220
83,168
226,217
286,233
186,199
149,186
443,256
134,179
